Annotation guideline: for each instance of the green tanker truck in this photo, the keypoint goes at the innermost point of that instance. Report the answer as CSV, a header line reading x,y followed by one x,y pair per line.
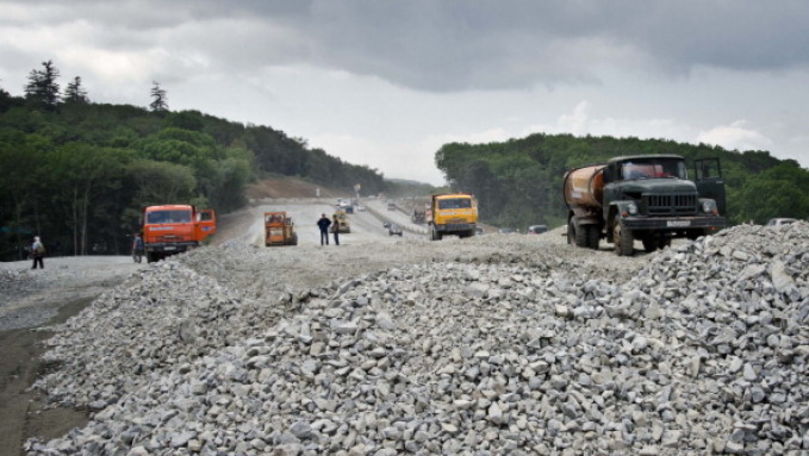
x,y
643,197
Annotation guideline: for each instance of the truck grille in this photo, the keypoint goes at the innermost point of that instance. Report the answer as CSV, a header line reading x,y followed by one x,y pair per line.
x,y
670,204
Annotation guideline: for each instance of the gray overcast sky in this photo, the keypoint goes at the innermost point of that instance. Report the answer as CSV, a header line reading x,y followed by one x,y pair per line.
x,y
385,83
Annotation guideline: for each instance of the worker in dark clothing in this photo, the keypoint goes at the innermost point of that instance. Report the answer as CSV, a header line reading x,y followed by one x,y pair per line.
x,y
38,252
335,228
137,248
323,224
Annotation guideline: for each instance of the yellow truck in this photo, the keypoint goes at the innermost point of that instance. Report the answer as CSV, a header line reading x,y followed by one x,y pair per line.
x,y
342,225
452,213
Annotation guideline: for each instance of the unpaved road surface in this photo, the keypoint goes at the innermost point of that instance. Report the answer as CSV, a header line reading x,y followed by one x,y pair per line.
x,y
499,343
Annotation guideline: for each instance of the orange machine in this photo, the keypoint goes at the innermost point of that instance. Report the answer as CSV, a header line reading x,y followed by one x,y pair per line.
x,y
279,229
175,228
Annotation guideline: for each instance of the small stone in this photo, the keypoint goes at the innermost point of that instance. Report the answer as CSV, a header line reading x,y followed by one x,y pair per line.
x,y
301,430
749,373
495,414
649,451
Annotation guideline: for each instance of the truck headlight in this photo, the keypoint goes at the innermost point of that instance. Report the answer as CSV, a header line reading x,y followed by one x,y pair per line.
x,y
632,208
709,206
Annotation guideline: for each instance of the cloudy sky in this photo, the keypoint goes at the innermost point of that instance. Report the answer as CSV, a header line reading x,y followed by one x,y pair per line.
x,y
385,83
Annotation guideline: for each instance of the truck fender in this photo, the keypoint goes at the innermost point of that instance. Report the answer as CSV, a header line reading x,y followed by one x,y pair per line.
x,y
616,211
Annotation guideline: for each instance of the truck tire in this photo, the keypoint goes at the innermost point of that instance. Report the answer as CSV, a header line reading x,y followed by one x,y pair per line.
x,y
623,239
434,234
151,257
580,233
593,233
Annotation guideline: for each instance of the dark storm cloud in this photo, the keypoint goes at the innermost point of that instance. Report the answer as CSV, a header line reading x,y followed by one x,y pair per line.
x,y
459,45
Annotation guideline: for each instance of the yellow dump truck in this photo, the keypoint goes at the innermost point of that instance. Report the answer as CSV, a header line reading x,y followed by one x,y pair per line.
x,y
342,222
452,213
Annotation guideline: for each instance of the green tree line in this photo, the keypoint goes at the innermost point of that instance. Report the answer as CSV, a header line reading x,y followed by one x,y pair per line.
x,y
78,173
519,182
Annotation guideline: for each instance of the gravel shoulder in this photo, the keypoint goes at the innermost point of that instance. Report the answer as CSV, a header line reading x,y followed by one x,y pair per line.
x,y
31,301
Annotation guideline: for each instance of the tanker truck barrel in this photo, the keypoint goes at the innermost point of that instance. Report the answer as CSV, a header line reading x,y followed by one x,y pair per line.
x,y
583,187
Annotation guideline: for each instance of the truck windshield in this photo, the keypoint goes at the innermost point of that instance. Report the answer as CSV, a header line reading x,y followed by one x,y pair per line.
x,y
455,203
180,216
653,168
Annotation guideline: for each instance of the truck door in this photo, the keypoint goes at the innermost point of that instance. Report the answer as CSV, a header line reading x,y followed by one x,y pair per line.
x,y
206,223
708,178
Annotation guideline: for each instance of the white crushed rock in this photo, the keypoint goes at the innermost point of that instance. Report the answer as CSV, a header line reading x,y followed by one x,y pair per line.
x,y
703,350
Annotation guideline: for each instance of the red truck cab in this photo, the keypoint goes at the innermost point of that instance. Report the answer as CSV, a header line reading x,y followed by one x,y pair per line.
x,y
175,228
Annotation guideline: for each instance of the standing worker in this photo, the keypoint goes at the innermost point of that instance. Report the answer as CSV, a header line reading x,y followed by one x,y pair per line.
x,y
38,252
323,224
137,248
335,228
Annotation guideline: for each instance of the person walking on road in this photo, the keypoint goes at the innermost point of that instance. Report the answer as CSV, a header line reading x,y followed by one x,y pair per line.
x,y
323,224
335,228
38,252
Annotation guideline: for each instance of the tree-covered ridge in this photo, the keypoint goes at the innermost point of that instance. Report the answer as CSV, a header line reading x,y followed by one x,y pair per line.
x,y
78,173
519,182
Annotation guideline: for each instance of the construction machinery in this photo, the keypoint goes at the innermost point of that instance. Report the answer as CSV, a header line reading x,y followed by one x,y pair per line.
x,y
174,228
279,229
645,197
453,213
341,220
418,216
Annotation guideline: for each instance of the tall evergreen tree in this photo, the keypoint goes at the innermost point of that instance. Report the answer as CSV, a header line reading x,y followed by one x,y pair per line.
x,y
159,99
75,93
42,86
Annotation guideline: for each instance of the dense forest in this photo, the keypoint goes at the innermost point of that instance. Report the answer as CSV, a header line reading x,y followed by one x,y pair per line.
x,y
78,173
519,182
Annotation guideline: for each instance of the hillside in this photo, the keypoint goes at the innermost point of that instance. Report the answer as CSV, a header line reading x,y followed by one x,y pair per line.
x,y
518,182
77,173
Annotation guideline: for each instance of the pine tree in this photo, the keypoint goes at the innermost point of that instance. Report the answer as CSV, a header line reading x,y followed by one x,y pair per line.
x,y
159,101
75,93
42,86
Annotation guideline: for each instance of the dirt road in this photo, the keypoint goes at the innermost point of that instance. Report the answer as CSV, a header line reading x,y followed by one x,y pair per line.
x,y
34,298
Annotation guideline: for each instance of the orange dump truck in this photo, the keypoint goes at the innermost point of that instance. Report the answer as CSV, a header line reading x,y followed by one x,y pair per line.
x,y
175,228
279,229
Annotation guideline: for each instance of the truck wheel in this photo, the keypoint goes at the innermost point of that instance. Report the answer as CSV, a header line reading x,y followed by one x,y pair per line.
x,y
623,239
434,234
650,244
593,234
581,235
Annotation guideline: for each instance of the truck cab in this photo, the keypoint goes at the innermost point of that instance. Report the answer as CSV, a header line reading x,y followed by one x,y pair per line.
x,y
174,228
650,197
453,213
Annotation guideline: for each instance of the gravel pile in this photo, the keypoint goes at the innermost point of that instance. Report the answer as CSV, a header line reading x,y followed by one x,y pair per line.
x,y
704,350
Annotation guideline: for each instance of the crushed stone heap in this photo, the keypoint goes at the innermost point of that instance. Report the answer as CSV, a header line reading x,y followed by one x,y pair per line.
x,y
703,351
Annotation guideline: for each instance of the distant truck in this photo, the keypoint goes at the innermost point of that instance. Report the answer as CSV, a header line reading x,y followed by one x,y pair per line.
x,y
175,228
279,229
453,213
646,197
343,226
